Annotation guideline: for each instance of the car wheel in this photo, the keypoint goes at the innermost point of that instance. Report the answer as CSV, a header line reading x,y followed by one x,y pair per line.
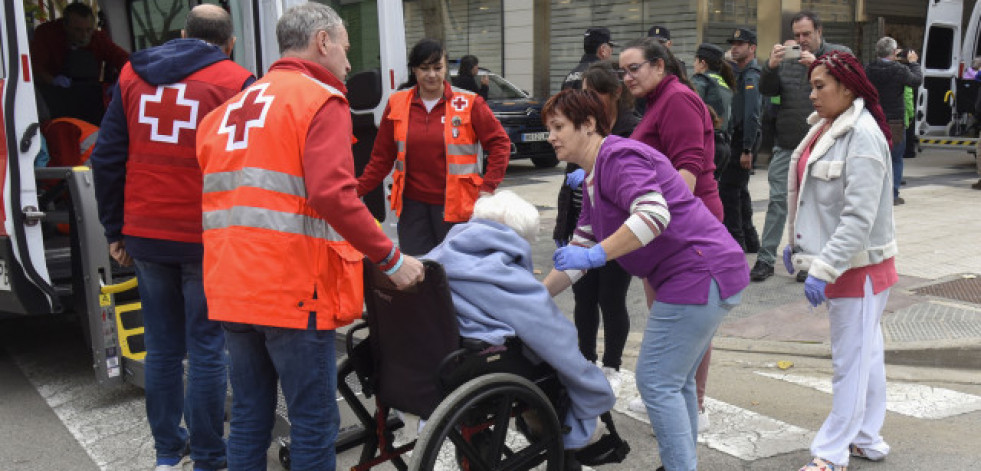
x,y
545,162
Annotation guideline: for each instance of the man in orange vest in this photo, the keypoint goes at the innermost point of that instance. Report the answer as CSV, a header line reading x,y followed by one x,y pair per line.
x,y
148,186
280,208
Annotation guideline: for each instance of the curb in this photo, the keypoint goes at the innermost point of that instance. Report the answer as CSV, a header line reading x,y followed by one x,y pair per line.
x,y
958,354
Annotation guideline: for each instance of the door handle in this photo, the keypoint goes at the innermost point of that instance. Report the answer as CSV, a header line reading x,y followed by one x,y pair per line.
x,y
32,215
25,140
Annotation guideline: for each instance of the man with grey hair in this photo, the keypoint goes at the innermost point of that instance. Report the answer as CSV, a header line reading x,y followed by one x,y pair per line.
x,y
148,188
284,234
891,77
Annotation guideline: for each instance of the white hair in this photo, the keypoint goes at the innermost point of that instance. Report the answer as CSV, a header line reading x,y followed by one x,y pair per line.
x,y
509,209
885,46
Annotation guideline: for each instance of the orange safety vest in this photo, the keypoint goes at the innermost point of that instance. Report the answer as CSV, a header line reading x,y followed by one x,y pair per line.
x,y
463,178
269,259
61,128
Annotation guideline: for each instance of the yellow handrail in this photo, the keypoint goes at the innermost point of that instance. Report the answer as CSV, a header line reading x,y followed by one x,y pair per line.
x,y
119,287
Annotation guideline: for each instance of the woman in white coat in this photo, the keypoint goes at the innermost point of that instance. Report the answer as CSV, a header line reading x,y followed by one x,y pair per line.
x,y
841,231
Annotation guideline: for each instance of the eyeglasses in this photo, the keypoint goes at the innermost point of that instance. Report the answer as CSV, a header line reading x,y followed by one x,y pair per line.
x,y
631,69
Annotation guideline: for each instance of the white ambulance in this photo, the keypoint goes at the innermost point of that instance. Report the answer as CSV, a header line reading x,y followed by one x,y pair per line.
x,y
45,271
946,100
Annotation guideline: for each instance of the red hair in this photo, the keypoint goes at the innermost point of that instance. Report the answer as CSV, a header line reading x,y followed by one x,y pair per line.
x,y
578,106
846,69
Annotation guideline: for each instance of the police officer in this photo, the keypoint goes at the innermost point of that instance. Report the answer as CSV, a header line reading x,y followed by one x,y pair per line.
x,y
597,45
734,178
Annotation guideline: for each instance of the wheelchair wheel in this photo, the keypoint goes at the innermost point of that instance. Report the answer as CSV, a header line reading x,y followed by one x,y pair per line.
x,y
477,427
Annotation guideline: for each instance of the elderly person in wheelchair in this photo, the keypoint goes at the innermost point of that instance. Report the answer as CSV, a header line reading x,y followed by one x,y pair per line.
x,y
496,295
481,352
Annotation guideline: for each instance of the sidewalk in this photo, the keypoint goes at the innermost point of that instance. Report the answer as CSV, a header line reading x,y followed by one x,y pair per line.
x,y
933,317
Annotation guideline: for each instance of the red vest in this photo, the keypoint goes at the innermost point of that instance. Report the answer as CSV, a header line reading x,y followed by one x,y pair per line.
x,y
163,179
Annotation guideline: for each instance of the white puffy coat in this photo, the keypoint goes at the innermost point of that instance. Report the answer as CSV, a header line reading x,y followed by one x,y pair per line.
x,y
841,215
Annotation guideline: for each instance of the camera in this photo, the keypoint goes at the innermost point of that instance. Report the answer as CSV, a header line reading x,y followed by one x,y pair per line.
x,y
792,53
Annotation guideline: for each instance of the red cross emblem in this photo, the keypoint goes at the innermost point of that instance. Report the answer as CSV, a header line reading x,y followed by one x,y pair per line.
x,y
459,103
248,112
167,112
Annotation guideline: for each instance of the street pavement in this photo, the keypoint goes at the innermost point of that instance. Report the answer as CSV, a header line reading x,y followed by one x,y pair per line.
x,y
770,383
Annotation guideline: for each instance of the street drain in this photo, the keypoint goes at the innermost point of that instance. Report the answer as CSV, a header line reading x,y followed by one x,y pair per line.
x,y
967,288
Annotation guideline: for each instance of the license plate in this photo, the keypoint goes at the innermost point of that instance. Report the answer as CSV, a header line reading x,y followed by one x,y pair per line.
x,y
534,136
4,276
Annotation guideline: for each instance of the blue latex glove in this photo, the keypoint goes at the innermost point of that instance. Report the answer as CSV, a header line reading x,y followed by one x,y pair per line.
x,y
61,81
787,261
559,243
575,178
574,257
814,290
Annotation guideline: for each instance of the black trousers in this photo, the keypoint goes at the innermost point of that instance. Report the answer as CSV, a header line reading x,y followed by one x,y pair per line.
x,y
737,206
421,227
603,288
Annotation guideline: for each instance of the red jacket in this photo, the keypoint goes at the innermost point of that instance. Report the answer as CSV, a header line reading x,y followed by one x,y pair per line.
x,y
50,46
163,180
425,151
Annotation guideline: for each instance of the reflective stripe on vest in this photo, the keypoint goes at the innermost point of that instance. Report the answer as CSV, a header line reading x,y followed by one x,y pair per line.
x,y
262,218
258,178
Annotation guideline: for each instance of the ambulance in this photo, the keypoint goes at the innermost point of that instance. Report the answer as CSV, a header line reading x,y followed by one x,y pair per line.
x,y
946,101
54,258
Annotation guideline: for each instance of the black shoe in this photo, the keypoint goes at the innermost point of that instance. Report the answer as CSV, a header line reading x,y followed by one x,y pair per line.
x,y
801,276
898,201
761,271
977,186
902,182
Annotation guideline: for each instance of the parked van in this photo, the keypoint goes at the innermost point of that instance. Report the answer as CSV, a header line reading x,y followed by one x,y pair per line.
x,y
945,100
45,271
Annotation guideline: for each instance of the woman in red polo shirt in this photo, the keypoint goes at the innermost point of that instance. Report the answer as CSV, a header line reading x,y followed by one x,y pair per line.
x,y
430,135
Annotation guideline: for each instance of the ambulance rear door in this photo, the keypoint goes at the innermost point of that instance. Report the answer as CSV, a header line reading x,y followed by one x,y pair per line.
x,y
25,286
941,63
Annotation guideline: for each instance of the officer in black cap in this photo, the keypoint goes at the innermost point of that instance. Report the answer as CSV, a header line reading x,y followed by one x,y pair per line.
x,y
745,124
597,45
661,34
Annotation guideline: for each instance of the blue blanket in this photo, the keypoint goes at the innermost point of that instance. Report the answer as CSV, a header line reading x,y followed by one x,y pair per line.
x,y
496,295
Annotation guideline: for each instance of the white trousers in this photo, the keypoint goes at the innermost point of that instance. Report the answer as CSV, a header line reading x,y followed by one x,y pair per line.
x,y
859,383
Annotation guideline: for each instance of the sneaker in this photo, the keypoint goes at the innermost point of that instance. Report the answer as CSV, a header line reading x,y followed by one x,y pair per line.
x,y
761,271
170,467
801,276
977,186
637,405
821,464
613,376
866,453
703,421
898,201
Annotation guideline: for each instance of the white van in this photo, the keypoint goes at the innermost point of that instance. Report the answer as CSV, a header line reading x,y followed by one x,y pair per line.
x,y
50,272
949,46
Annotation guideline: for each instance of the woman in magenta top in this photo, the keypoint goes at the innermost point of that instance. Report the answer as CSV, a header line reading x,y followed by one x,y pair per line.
x,y
841,230
676,122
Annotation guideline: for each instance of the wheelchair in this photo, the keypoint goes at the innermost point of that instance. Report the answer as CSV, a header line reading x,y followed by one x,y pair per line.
x,y
487,407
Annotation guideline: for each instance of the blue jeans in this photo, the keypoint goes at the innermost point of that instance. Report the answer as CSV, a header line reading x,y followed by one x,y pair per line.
x,y
776,209
175,319
675,340
897,151
304,363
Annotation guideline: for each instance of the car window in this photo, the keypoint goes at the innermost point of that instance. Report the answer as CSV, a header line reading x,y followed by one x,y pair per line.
x,y
500,89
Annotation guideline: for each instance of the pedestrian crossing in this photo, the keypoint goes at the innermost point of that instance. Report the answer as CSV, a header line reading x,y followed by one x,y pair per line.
x,y
750,436
109,423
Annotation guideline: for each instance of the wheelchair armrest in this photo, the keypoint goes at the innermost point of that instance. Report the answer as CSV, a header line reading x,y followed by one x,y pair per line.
x,y
349,337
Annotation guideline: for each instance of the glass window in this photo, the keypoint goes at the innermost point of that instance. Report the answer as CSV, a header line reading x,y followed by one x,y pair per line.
x,y
472,27
361,19
155,22
939,48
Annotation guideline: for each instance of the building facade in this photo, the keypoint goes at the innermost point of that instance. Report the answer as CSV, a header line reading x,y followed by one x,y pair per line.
x,y
535,43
